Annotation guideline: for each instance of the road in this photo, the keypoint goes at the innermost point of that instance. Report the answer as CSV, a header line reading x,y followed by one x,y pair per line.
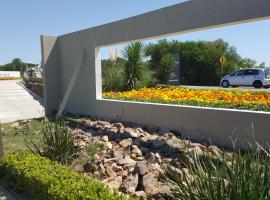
x,y
16,103
218,88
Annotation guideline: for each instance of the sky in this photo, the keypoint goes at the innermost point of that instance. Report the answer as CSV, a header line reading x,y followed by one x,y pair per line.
x,y
22,23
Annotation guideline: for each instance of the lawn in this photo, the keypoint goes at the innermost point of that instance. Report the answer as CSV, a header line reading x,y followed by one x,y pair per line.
x,y
232,99
15,135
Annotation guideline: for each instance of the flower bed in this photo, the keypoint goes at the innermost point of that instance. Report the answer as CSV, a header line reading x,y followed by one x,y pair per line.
x,y
45,179
233,99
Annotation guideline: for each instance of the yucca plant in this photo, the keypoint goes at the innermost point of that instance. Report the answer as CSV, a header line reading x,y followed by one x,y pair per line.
x,y
57,142
240,177
133,70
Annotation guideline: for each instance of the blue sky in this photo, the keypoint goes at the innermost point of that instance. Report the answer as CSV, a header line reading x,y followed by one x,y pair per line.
x,y
22,22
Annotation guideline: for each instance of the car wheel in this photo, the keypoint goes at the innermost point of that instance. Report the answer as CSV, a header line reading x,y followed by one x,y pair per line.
x,y
257,84
225,84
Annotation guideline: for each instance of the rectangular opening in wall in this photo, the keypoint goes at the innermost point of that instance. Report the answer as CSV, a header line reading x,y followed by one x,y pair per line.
x,y
220,68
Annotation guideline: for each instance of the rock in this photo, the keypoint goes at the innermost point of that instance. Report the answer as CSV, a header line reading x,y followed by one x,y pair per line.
x,y
131,133
158,191
145,150
176,143
126,142
131,183
118,125
108,145
90,167
140,158
116,168
78,167
127,160
154,158
101,123
110,171
118,153
215,151
184,160
197,150
151,158
140,130
141,195
157,144
135,150
113,182
81,144
105,138
149,182
141,168
123,173
101,168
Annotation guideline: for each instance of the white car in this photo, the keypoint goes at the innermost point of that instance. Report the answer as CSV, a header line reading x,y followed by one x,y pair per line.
x,y
257,78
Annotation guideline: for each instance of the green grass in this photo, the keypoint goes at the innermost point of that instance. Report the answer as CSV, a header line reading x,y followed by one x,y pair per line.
x,y
14,138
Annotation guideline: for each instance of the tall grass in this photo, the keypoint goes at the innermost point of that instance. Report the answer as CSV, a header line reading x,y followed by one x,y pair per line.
x,y
243,176
57,142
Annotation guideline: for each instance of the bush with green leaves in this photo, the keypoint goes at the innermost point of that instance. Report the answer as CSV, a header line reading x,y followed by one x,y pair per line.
x,y
57,142
133,69
165,69
44,179
112,74
239,177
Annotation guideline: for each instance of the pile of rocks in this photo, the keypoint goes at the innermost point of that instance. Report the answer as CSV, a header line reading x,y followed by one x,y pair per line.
x,y
132,158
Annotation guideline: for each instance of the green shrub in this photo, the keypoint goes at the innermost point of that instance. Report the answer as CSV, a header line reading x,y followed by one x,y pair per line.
x,y
239,177
133,70
165,69
57,142
43,179
112,75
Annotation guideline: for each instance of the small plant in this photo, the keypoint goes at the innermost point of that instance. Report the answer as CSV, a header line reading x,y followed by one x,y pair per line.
x,y
240,177
57,142
94,148
133,70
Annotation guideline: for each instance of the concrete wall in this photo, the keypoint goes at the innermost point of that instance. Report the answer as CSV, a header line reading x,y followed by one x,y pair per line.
x,y
61,54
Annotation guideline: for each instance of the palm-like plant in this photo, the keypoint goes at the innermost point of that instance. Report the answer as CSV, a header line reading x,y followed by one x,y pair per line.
x,y
133,71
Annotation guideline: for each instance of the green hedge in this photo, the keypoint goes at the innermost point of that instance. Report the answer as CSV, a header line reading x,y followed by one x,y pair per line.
x,y
42,178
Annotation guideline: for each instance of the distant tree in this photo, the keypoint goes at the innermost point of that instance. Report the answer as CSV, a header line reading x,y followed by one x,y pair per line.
x,y
262,65
199,60
112,74
165,69
247,63
133,68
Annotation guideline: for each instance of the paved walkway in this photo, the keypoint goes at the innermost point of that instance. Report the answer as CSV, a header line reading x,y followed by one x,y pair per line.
x,y
16,103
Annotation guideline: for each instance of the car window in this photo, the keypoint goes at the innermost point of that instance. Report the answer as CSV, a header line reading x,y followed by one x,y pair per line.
x,y
251,72
267,73
239,73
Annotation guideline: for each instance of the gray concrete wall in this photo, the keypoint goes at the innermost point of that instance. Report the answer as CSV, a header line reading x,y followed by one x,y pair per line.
x,y
65,50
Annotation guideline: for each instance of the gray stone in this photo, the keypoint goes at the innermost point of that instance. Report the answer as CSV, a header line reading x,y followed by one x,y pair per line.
x,y
125,143
127,160
131,183
141,168
110,171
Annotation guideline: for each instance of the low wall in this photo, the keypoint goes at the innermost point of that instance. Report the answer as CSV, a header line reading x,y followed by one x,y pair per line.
x,y
12,74
72,70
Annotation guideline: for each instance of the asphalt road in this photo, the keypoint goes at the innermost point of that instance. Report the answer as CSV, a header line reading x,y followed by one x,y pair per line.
x,y
16,103
230,88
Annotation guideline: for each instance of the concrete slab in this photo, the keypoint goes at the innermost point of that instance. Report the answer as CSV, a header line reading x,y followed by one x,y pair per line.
x,y
16,103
